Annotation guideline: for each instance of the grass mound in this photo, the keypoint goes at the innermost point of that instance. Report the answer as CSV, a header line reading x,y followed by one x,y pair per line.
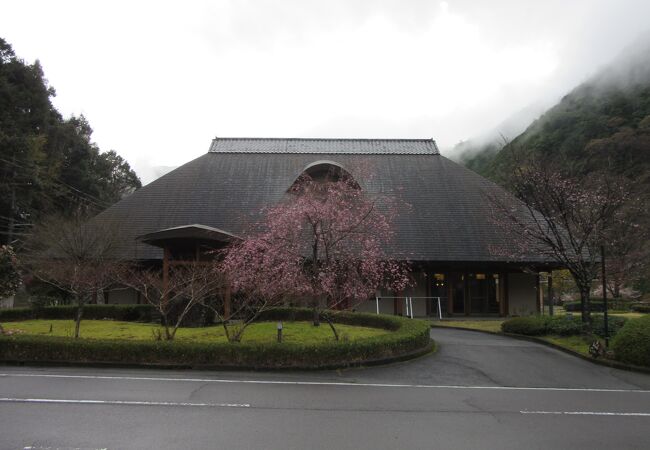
x,y
260,332
377,338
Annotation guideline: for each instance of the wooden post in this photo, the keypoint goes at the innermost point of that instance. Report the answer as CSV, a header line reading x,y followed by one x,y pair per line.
x,y
450,294
428,301
506,295
540,294
467,301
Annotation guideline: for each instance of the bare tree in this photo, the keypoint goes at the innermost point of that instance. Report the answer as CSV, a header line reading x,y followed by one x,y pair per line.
x,y
74,255
186,286
627,242
559,217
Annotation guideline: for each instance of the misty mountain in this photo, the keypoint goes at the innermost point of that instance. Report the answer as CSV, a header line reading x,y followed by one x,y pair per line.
x,y
602,125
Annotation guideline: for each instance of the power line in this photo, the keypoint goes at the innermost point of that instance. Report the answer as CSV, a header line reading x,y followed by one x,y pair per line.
x,y
89,197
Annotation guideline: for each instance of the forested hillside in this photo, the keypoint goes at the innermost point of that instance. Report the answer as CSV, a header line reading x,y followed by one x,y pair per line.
x,y
599,130
602,125
48,164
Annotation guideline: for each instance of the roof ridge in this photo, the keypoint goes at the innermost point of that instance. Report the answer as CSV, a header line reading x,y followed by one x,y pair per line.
x,y
240,138
293,145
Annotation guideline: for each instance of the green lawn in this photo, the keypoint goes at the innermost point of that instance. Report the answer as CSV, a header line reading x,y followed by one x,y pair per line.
x,y
482,325
578,344
559,311
303,332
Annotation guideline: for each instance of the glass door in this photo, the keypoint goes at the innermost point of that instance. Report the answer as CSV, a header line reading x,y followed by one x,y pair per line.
x,y
439,288
458,293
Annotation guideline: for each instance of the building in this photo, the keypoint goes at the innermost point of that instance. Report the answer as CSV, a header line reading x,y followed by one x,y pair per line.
x,y
447,233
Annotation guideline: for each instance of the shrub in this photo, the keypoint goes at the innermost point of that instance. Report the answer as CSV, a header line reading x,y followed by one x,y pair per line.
x,y
596,306
614,325
407,336
565,326
642,308
560,325
529,326
127,313
632,343
347,318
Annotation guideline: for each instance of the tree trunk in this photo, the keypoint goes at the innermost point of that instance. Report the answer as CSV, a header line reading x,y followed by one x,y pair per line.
x,y
316,318
331,324
77,321
2,330
165,323
586,306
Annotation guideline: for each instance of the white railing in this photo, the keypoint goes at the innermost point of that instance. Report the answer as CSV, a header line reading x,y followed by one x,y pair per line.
x,y
408,304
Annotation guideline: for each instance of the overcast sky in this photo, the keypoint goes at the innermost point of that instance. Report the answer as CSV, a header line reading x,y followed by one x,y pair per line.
x,y
158,80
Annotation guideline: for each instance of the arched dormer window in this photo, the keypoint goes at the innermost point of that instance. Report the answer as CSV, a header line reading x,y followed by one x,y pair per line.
x,y
324,171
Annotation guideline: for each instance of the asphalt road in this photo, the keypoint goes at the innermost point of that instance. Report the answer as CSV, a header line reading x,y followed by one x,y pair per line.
x,y
477,391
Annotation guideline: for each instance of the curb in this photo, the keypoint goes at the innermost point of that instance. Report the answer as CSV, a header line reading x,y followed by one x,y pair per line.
x,y
429,348
521,337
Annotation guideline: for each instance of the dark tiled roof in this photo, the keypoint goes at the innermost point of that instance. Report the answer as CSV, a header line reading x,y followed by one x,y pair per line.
x,y
448,220
326,146
193,231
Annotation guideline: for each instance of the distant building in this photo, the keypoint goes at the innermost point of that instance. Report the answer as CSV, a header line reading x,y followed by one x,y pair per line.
x,y
447,233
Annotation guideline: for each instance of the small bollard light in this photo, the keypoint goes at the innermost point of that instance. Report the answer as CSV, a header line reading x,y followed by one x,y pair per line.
x,y
279,331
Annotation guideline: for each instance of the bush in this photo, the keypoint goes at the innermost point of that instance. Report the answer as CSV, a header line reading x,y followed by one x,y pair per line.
x,y
614,325
345,317
407,336
565,326
560,325
127,313
642,308
632,343
529,326
596,306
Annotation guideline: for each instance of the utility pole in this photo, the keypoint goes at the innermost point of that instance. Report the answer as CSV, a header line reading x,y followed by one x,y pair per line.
x,y
605,318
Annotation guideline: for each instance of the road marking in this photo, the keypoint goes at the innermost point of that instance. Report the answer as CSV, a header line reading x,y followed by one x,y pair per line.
x,y
588,413
320,383
122,402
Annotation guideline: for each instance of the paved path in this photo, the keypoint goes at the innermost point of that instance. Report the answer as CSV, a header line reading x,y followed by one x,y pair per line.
x,y
477,391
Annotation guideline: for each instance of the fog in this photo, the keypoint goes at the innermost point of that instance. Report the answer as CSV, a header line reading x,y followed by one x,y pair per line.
x,y
158,80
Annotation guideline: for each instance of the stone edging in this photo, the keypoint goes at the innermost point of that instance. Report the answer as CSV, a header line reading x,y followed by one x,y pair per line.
x,y
601,362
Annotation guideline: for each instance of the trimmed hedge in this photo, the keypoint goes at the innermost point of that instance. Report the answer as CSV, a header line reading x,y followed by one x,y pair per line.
x,y
560,325
632,343
407,336
596,306
126,313
642,308
529,326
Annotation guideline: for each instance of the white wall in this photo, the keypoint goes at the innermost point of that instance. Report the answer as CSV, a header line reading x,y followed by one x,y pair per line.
x,y
386,305
370,306
522,294
7,302
419,290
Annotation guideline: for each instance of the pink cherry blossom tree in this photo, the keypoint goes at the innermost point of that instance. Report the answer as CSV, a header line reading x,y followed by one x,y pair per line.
x,y
328,241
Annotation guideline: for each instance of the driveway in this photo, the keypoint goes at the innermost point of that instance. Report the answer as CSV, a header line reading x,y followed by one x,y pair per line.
x,y
477,391
469,358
